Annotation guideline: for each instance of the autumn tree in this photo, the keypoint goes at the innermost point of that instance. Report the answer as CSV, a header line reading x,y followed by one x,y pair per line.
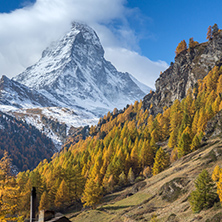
x,y
62,196
173,138
131,176
24,200
215,29
219,85
110,184
181,47
44,202
161,161
9,195
184,143
122,179
92,193
209,33
147,154
192,43
75,182
217,177
204,196
216,174
147,172
195,143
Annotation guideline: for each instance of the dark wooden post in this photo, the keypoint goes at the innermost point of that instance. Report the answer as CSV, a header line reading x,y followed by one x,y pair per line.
x,y
33,205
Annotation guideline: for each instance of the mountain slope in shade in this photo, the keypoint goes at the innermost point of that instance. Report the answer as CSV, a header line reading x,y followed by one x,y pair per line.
x,y
74,73
26,145
18,95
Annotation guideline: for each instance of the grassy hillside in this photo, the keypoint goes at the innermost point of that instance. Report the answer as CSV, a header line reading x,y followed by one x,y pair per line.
x,y
164,196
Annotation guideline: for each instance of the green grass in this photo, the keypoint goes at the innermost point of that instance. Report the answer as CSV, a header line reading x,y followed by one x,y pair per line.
x,y
126,203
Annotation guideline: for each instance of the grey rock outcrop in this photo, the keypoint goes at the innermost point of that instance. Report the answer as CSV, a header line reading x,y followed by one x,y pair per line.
x,y
214,126
189,66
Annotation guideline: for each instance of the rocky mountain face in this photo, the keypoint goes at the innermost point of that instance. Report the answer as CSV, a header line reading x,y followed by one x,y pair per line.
x,y
189,66
74,73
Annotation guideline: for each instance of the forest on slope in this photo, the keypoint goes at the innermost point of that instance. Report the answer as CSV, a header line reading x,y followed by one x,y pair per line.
x,y
125,146
26,145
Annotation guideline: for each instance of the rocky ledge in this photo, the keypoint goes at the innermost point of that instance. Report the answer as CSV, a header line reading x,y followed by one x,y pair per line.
x,y
189,66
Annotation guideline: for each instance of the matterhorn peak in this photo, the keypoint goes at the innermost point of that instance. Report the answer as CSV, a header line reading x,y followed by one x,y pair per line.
x,y
74,73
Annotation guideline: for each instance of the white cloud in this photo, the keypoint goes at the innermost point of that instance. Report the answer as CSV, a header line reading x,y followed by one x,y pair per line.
x,y
146,70
26,32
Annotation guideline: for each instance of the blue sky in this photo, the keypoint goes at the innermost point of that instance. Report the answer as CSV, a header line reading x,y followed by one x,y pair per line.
x,y
139,36
9,6
171,21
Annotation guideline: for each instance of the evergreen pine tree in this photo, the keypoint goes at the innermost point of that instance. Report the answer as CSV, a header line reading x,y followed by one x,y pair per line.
x,y
204,196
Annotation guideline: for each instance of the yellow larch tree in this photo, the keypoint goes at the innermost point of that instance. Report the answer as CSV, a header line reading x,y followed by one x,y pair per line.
x,y
44,202
181,47
161,161
146,154
9,195
219,85
92,193
209,33
62,196
216,173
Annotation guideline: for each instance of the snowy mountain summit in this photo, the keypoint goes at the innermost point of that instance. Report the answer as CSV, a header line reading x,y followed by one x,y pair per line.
x,y
73,73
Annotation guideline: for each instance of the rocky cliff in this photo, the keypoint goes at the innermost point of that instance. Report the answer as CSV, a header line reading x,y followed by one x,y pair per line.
x,y
189,66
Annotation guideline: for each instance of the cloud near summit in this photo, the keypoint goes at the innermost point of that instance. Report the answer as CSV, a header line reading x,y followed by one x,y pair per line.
x,y
26,32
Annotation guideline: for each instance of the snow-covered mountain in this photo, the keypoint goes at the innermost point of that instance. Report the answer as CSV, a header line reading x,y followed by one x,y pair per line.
x,y
73,73
71,85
